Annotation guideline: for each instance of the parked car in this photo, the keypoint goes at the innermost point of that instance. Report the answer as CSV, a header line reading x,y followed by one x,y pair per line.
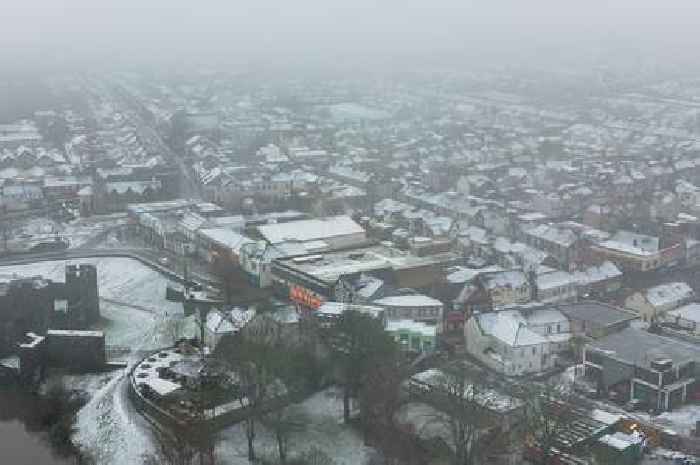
x,y
633,404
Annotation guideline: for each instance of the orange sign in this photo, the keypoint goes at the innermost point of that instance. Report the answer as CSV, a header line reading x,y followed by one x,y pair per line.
x,y
304,297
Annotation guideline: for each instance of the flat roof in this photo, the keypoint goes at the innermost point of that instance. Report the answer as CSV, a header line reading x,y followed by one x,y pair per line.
x,y
638,347
309,230
596,312
329,267
74,333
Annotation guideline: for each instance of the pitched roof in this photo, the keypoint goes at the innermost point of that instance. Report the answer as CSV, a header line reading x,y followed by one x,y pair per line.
x,y
509,326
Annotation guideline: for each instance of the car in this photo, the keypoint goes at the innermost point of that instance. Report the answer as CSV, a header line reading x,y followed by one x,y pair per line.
x,y
586,390
633,404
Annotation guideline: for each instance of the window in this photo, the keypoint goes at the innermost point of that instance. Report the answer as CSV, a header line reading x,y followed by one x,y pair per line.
x,y
534,350
549,329
558,328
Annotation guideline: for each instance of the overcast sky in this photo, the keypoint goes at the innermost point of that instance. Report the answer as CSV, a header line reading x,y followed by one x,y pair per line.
x,y
239,30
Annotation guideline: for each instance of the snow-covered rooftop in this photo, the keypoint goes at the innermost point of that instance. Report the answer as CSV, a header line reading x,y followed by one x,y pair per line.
x,y
483,396
511,279
559,236
418,300
460,274
226,237
554,279
423,329
510,327
669,294
690,312
595,274
310,230
632,243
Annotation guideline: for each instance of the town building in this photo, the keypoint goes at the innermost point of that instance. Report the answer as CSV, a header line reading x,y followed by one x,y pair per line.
x,y
595,319
660,371
517,342
633,252
651,303
683,321
415,307
414,336
310,280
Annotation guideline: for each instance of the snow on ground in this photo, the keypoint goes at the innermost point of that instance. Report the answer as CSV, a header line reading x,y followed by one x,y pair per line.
x,y
111,431
325,430
680,420
135,315
133,306
83,230
426,421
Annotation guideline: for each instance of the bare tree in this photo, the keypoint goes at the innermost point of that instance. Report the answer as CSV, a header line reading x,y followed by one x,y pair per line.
x,y
175,327
6,231
549,411
356,341
315,456
283,423
174,449
464,414
255,356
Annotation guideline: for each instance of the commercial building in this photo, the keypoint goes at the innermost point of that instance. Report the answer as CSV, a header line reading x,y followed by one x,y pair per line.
x,y
310,280
661,372
595,319
415,307
655,301
414,336
634,252
316,235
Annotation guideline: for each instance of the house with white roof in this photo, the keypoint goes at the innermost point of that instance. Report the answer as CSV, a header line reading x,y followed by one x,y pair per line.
x,y
514,343
416,307
636,252
651,303
559,243
556,286
686,318
222,323
598,280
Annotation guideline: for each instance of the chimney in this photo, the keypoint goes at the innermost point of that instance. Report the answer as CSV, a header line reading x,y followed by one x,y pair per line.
x,y
532,280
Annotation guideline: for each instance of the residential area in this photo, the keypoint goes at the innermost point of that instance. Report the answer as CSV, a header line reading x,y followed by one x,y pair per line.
x,y
237,269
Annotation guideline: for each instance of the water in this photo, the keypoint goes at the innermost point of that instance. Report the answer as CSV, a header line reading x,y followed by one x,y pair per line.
x,y
21,440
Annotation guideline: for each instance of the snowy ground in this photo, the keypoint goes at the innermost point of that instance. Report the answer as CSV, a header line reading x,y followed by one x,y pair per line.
x,y
79,232
680,420
107,427
85,230
132,300
326,431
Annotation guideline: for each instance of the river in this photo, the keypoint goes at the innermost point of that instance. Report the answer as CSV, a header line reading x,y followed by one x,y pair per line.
x,y
21,440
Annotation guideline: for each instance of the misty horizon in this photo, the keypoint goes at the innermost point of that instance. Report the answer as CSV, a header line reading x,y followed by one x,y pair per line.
x,y
241,34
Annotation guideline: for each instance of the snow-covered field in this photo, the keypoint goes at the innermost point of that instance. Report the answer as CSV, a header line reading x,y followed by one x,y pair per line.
x,y
135,315
132,299
325,430
83,230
